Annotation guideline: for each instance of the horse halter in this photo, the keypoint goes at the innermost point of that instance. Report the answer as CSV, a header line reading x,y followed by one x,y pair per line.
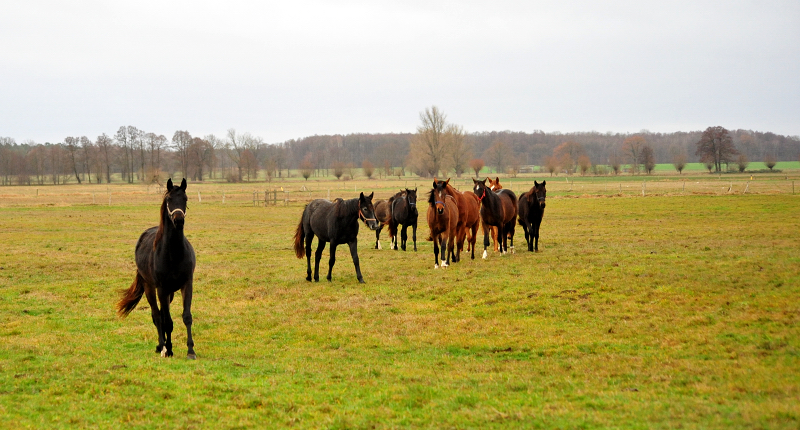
x,y
483,195
365,219
175,210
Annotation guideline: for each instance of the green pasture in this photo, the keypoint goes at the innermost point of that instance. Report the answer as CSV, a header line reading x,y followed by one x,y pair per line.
x,y
639,312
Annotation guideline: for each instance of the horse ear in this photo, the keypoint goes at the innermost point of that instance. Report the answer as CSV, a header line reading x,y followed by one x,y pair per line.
x,y
183,184
535,184
447,181
496,179
169,184
371,194
361,196
474,181
544,182
434,182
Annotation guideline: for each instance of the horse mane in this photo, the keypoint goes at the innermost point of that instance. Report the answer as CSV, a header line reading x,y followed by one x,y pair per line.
x,y
160,231
345,207
431,198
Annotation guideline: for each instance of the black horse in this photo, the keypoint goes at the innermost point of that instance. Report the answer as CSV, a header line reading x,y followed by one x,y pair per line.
x,y
498,209
335,222
530,211
404,211
165,264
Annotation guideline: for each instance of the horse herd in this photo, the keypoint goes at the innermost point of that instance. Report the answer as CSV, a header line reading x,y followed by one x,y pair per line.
x,y
165,260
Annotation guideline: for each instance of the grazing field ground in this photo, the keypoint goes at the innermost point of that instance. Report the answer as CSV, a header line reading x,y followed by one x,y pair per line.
x,y
677,310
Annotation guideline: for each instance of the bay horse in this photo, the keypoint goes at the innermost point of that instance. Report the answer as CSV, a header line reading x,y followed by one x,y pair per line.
x,y
335,222
442,221
404,211
383,215
531,210
165,264
498,209
469,217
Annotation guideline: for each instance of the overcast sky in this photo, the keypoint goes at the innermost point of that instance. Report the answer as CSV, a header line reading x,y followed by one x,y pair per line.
x,y
288,69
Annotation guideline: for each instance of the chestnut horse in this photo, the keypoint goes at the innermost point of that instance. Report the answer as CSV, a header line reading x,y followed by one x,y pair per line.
x,y
469,217
442,221
498,209
165,263
531,210
383,214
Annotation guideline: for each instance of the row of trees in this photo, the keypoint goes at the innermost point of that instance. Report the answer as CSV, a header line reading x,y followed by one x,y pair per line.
x,y
438,147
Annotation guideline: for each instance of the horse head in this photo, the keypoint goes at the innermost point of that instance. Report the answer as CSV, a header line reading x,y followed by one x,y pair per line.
x,y
479,188
539,193
175,202
411,198
367,212
438,196
494,185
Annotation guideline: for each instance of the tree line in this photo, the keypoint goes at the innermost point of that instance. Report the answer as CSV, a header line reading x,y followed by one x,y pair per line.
x,y
437,147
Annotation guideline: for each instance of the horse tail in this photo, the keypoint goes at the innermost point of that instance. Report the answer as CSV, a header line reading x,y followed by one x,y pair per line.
x,y
299,236
130,297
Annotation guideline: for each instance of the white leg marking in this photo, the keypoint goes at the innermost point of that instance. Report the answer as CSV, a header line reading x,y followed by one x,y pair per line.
x,y
484,254
164,351
444,264
379,245
435,266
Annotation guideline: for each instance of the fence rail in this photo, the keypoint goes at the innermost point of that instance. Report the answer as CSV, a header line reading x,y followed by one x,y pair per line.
x,y
259,196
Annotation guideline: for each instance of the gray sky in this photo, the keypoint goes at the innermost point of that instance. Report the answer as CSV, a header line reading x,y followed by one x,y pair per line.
x,y
283,70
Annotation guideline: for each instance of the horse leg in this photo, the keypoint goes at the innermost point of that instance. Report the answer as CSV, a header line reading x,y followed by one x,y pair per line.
x,y
496,239
317,258
536,235
435,252
474,239
510,233
354,253
378,237
414,234
451,238
150,293
186,293
486,229
166,323
403,237
309,237
332,260
443,241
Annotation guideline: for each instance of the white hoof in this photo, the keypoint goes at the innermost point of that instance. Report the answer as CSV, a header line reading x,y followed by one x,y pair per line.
x,y
484,254
445,265
164,351
512,250
435,266
379,245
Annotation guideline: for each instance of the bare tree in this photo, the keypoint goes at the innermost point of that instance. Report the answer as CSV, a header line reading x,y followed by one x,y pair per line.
x,y
742,162
429,145
770,161
181,140
584,163
72,149
458,148
647,158
368,168
307,166
498,155
238,144
476,164
551,165
567,155
87,150
632,146
104,143
716,145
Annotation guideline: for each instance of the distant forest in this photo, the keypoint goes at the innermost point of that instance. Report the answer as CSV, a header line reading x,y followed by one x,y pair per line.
x,y
132,155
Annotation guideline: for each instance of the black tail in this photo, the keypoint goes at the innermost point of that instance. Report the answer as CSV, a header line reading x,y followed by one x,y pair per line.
x,y
299,235
130,297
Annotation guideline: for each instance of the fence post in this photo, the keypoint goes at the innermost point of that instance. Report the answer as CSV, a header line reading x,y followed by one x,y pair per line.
x,y
684,186
643,187
620,188
109,198
746,187
199,199
223,197
254,199
95,202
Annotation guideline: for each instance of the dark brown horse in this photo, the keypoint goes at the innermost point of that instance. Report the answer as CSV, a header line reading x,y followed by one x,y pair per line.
x,y
469,217
335,222
165,263
404,211
531,210
494,185
383,215
442,221
498,209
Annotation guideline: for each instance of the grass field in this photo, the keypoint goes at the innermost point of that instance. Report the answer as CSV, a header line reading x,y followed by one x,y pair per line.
x,y
677,310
